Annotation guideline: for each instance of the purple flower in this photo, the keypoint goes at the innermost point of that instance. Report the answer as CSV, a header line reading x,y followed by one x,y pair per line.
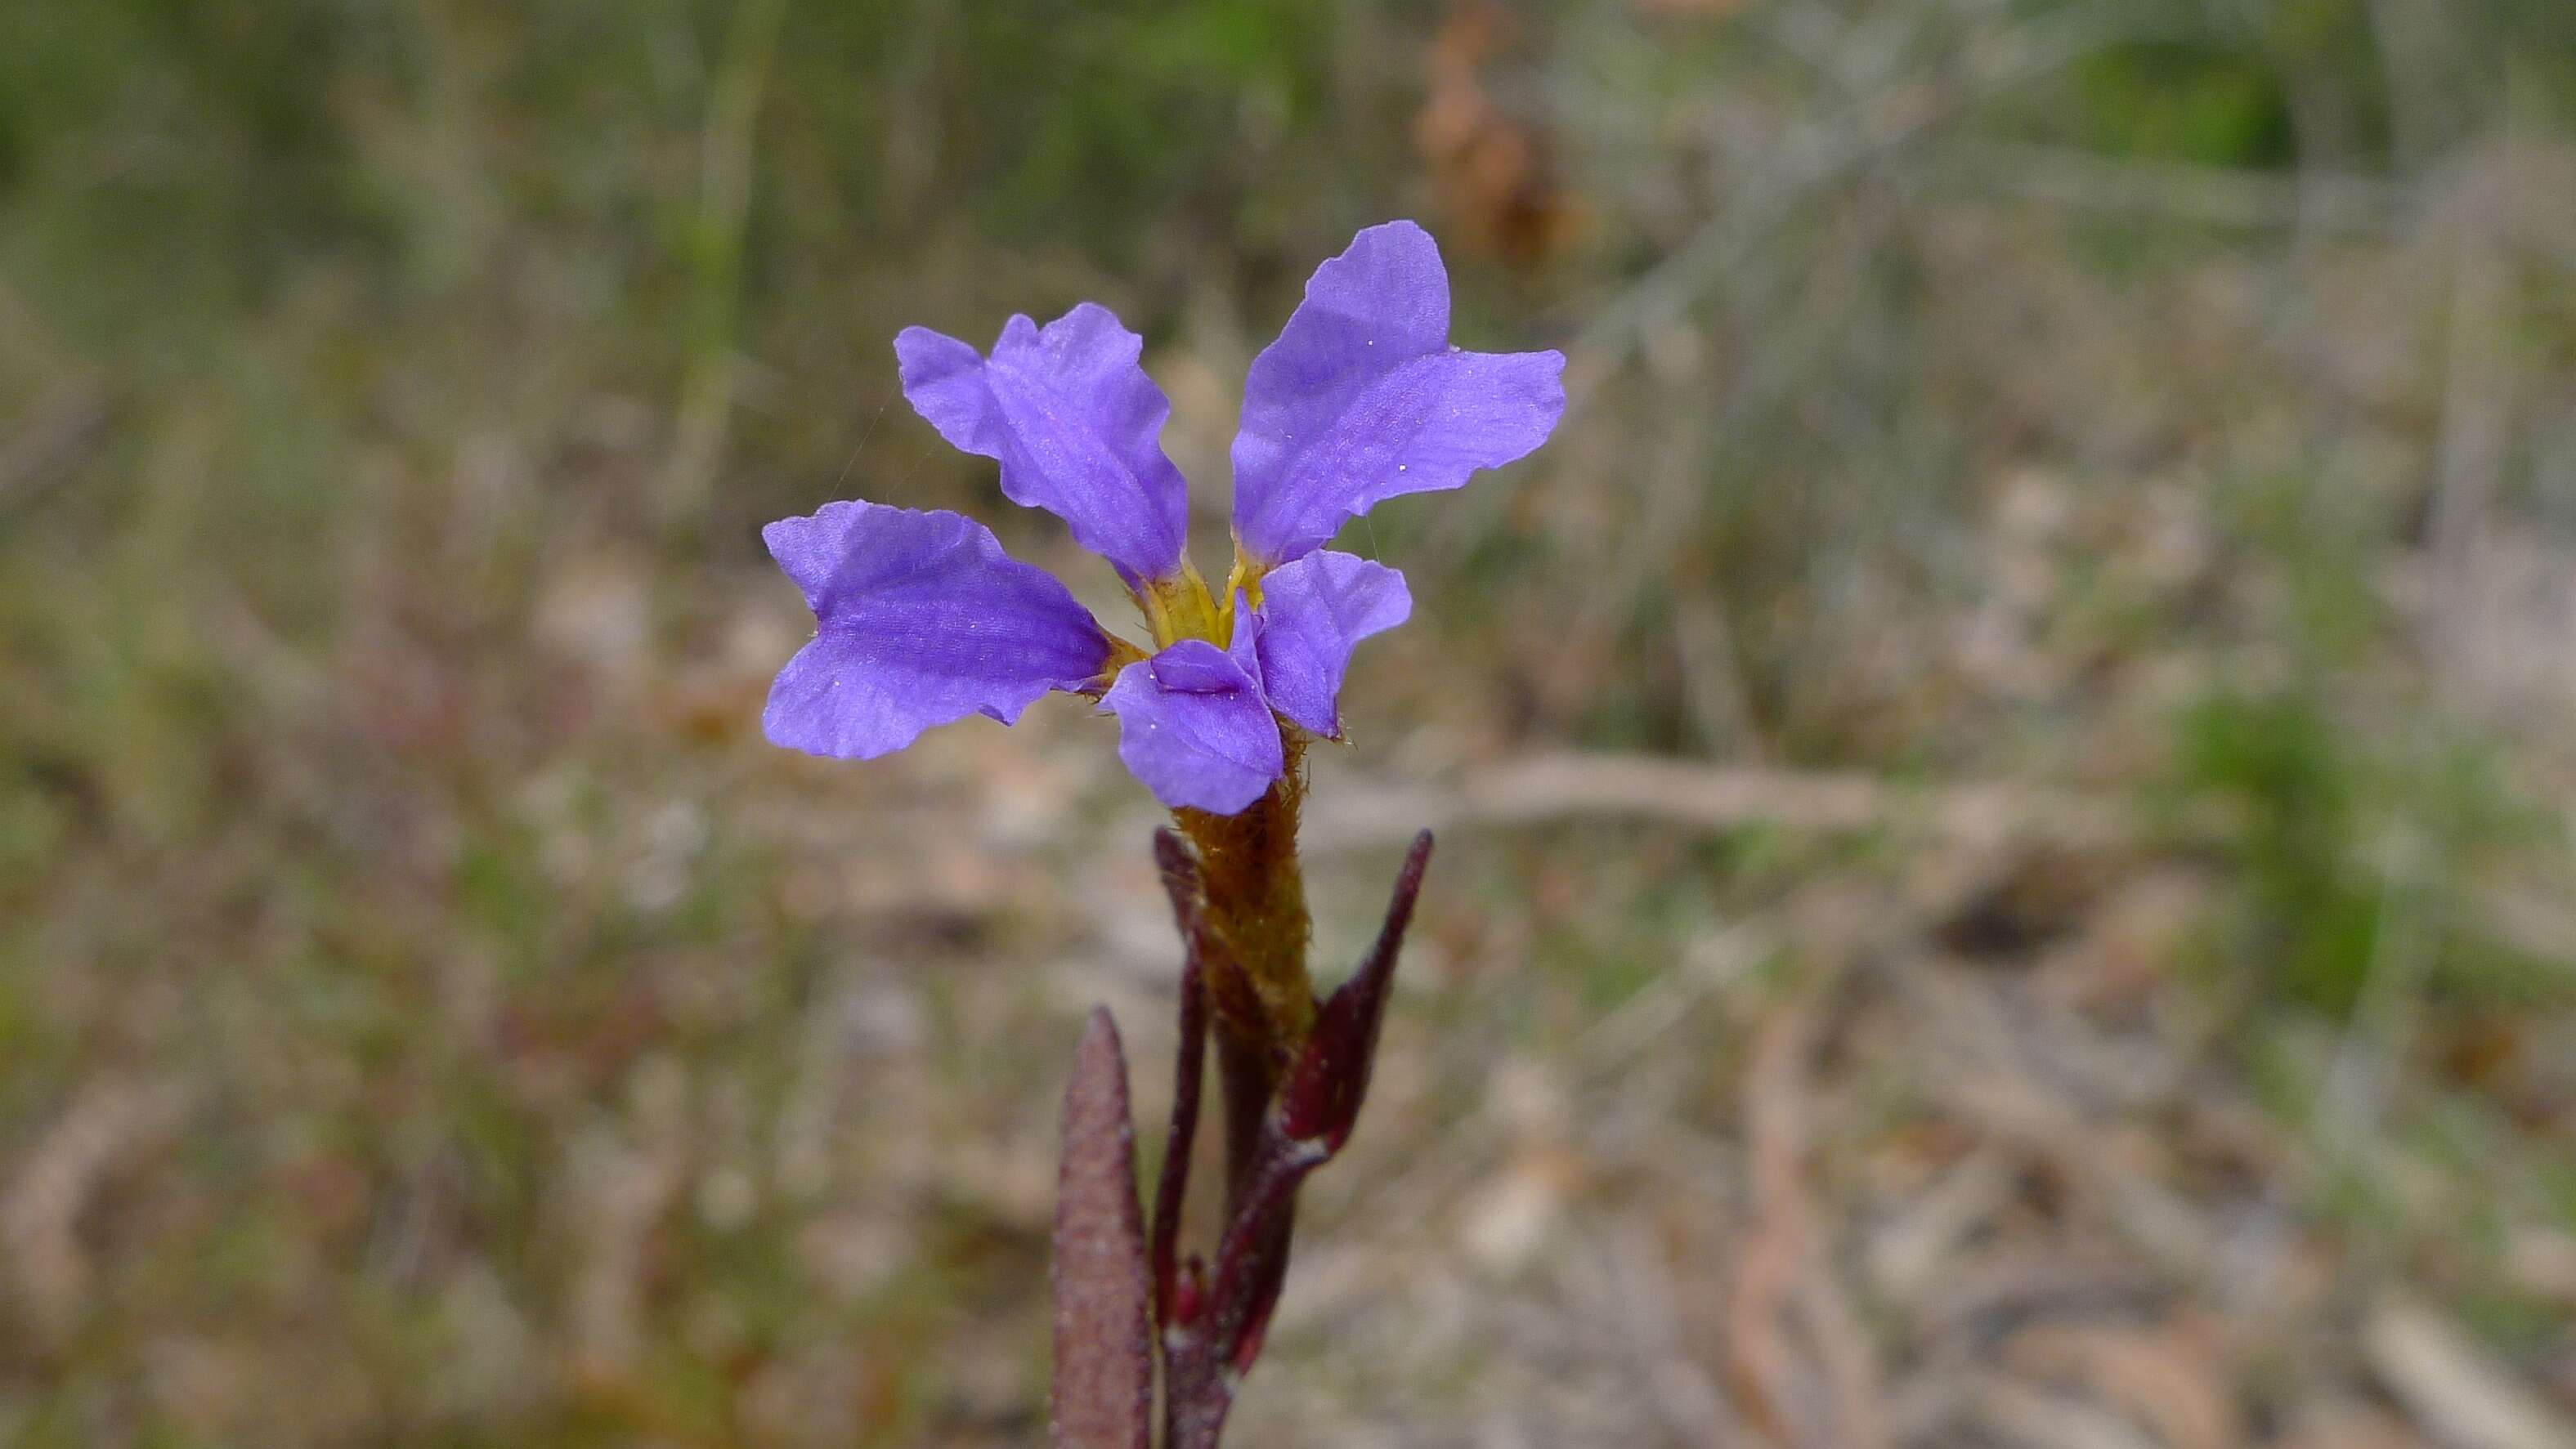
x,y
922,618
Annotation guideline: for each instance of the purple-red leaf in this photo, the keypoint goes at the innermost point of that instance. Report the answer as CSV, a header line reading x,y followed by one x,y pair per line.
x,y
1312,1117
1320,1101
1189,912
1104,1349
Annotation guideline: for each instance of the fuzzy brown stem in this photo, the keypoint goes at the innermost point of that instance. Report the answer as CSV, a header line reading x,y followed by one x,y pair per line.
x,y
1292,1121
1256,905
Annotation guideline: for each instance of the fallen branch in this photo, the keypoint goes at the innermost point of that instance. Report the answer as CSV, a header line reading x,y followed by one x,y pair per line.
x,y
1543,789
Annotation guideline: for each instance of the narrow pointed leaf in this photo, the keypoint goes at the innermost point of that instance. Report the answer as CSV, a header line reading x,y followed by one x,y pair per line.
x,y
1104,1354
1189,913
1317,1106
1320,1102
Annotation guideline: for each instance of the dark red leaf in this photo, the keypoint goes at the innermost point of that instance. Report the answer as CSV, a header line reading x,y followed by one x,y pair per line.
x,y
1320,1101
1104,1351
1317,1106
1189,912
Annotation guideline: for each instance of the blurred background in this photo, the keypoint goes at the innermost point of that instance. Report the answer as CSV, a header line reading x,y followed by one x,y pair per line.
x,y
2006,782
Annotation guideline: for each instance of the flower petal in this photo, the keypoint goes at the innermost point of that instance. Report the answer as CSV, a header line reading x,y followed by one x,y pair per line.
x,y
922,620
1362,398
1193,727
1073,420
1313,612
1245,647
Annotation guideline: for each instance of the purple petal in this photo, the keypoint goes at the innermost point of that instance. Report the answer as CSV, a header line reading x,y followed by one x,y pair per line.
x,y
1313,612
922,620
1193,727
1245,648
1363,398
1074,422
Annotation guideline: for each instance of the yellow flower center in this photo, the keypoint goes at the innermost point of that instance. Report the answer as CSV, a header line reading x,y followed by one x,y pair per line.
x,y
1184,607
1180,608
1246,577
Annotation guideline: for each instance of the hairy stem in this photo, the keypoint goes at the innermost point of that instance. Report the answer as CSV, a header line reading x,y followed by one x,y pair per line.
x,y
1259,992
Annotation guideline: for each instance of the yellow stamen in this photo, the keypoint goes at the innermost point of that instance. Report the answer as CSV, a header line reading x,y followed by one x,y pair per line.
x,y
1179,608
1246,576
